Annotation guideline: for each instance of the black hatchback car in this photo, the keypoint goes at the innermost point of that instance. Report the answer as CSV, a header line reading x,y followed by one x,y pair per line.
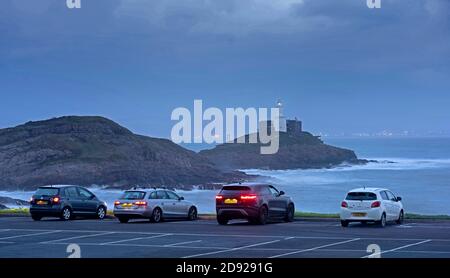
x,y
257,203
65,202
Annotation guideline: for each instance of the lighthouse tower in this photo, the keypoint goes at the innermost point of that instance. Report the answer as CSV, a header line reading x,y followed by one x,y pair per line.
x,y
282,118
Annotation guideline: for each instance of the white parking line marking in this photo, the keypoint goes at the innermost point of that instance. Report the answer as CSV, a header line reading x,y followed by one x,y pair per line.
x,y
239,235
132,239
401,247
431,227
6,242
422,252
147,245
365,251
76,237
315,248
182,243
158,233
34,234
232,249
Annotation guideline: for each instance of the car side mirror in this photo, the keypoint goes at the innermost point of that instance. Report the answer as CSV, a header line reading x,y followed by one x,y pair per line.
x,y
399,199
281,193
181,199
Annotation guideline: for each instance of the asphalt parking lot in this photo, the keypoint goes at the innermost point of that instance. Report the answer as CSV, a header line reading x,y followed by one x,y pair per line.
x,y
20,237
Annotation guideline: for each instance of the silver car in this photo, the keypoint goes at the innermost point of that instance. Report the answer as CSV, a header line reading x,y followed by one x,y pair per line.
x,y
153,204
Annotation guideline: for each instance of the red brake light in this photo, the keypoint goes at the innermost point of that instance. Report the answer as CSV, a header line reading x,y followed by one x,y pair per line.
x,y
248,197
344,204
55,200
376,204
116,203
140,203
219,197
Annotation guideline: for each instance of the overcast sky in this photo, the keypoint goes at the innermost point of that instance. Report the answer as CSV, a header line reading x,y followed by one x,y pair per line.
x,y
337,65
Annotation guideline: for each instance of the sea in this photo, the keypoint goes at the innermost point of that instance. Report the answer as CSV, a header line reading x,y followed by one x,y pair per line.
x,y
417,169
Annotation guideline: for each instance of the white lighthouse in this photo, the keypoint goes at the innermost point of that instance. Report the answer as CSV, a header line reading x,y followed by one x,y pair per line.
x,y
282,118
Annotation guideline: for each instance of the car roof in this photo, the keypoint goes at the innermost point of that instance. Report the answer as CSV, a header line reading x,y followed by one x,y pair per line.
x,y
248,184
368,189
58,186
147,189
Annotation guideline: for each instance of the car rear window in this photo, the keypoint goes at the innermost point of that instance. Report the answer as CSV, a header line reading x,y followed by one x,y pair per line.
x,y
361,196
236,188
47,191
133,195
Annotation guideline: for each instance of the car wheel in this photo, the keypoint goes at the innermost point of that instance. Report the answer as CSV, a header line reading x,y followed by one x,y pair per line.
x,y
192,215
156,216
290,213
101,213
263,215
344,223
66,214
382,222
123,219
222,220
401,217
36,217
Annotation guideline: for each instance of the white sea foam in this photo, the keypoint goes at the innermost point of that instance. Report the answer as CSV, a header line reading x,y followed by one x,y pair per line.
x,y
385,163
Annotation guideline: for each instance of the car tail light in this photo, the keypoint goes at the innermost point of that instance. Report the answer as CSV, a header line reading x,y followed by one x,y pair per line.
x,y
248,197
55,200
376,204
219,197
344,204
116,203
31,200
140,203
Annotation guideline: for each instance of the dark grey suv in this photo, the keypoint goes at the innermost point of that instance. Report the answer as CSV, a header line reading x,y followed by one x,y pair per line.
x,y
65,202
257,203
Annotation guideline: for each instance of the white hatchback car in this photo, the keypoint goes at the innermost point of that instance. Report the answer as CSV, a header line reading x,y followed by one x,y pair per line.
x,y
377,205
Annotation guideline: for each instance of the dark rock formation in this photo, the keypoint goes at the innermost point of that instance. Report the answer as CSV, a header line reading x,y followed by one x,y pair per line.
x,y
95,150
296,152
11,201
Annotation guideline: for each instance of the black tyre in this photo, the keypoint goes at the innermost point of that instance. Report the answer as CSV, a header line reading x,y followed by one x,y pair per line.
x,y
401,217
192,215
290,212
36,217
156,216
382,221
344,223
66,214
123,219
101,213
222,220
263,215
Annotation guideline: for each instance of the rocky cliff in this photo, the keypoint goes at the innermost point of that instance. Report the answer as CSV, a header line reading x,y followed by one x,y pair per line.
x,y
95,150
296,152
